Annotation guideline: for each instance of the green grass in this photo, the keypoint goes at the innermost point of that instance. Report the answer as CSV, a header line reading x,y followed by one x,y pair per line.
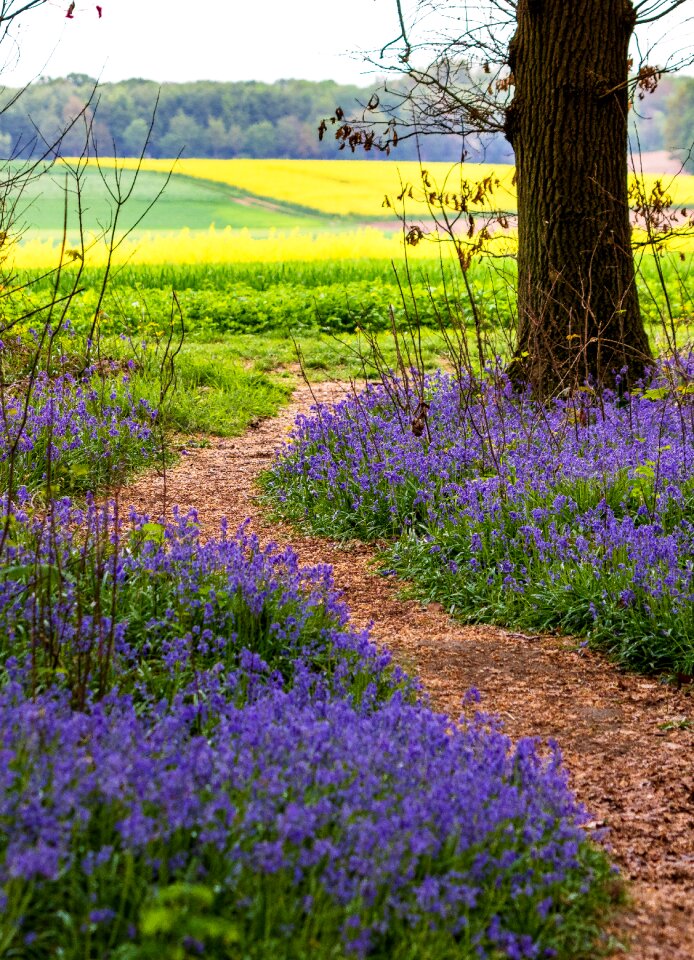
x,y
214,391
224,386
220,397
186,202
325,357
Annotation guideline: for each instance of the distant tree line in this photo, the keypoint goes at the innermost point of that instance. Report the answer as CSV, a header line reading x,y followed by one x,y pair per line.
x,y
253,119
675,120
202,119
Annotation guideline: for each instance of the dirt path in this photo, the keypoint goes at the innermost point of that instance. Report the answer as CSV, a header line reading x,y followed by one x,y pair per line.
x,y
628,741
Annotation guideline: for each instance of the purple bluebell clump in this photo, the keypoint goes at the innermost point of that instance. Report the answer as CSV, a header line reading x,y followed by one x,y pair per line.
x,y
200,755
90,603
74,433
360,821
249,745
578,515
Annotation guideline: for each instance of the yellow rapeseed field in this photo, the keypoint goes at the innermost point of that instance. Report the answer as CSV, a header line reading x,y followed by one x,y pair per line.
x,y
39,250
329,186
357,188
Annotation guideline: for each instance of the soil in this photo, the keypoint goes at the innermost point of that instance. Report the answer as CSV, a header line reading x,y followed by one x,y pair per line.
x,y
627,740
258,202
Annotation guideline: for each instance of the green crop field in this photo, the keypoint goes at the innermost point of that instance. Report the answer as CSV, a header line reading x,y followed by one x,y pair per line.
x,y
183,201
336,297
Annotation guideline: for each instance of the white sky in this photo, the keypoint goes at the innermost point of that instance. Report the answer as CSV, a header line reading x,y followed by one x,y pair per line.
x,y
201,39
223,39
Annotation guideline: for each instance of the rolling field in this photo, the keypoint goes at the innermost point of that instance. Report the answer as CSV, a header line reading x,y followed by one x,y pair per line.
x,y
183,201
357,189
246,211
339,187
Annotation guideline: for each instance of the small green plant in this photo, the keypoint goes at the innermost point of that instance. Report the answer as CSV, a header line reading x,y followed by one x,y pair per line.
x,y
179,921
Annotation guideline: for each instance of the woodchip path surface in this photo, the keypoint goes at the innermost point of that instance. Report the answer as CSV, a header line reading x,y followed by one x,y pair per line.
x,y
628,740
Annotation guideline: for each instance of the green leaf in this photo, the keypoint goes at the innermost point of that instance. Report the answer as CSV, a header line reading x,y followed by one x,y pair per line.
x,y
190,894
656,393
153,531
32,573
157,920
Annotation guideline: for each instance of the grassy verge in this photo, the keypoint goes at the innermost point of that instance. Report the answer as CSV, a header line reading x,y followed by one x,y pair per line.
x,y
215,389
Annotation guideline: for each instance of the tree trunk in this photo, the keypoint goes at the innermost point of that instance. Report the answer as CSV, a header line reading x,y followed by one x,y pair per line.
x,y
578,306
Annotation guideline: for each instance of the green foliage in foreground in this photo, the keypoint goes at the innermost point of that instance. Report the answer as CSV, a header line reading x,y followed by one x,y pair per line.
x,y
181,915
341,296
212,391
279,308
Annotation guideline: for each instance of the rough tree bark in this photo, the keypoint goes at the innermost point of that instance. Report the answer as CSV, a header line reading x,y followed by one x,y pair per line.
x,y
578,305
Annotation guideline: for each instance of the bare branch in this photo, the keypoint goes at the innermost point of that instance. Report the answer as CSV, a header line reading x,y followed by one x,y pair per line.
x,y
648,11
10,11
401,36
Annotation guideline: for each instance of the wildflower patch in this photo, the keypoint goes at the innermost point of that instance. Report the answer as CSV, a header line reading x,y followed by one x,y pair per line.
x,y
577,517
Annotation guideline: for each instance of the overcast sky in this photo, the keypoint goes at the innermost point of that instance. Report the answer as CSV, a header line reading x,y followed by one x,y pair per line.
x,y
202,39
216,39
